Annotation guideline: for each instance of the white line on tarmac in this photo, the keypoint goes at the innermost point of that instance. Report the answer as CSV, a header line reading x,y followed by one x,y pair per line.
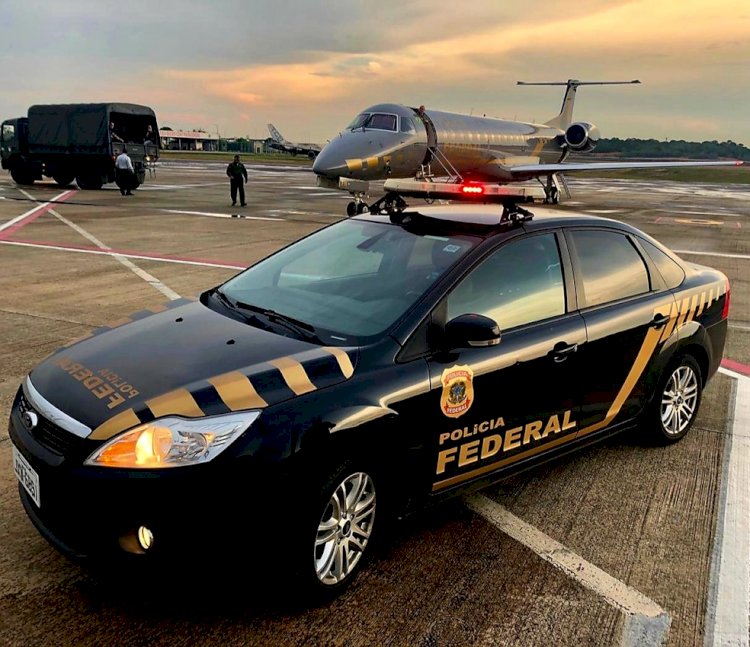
x,y
727,615
717,254
151,280
141,257
646,622
10,223
219,215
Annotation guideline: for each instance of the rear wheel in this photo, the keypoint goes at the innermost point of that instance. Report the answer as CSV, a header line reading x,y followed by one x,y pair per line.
x,y
89,182
63,179
677,401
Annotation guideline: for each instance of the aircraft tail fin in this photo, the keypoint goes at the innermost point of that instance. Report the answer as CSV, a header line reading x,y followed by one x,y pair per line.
x,y
564,119
276,135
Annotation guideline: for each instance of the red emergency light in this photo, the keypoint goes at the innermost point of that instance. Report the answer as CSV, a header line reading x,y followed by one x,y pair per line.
x,y
471,188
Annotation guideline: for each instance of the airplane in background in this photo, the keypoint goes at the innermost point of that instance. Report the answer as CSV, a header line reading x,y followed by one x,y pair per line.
x,y
475,157
278,142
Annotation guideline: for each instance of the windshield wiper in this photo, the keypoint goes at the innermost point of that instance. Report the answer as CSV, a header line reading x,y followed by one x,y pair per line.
x,y
301,328
224,299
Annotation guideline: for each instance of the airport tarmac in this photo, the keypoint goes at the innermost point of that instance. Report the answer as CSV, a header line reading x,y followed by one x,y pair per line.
x,y
619,544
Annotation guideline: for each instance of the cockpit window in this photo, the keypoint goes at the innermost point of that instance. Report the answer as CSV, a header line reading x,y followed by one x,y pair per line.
x,y
359,121
380,121
407,126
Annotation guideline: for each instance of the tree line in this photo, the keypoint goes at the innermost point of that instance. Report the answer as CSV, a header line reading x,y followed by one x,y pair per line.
x,y
632,147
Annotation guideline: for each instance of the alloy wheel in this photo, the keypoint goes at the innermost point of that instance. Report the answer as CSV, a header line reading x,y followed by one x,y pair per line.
x,y
679,400
345,528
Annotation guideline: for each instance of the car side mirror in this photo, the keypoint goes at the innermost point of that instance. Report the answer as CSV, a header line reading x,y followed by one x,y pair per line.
x,y
472,331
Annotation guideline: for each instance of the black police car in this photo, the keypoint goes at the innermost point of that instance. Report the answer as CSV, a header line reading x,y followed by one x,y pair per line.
x,y
371,367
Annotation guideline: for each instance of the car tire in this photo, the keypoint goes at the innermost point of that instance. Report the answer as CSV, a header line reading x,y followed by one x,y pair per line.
x,y
676,402
339,533
22,177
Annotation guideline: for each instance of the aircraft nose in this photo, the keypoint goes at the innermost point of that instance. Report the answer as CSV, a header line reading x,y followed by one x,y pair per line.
x,y
330,161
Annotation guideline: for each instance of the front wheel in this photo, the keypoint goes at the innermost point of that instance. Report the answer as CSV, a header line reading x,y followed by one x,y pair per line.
x,y
22,177
677,400
344,528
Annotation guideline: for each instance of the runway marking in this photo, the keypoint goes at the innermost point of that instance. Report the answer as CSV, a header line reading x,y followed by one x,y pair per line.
x,y
172,187
745,257
10,227
702,222
211,214
727,612
144,256
604,211
646,622
140,273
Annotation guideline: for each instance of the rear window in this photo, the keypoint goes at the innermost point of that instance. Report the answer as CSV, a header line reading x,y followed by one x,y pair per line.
x,y
670,271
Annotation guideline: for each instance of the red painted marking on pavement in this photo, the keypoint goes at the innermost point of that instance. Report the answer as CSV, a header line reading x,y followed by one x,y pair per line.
x,y
129,252
737,367
42,209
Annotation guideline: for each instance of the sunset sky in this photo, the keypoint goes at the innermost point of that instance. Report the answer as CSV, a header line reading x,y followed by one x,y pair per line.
x,y
310,66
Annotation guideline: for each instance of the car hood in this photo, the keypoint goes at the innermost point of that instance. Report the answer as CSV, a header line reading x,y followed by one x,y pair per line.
x,y
189,361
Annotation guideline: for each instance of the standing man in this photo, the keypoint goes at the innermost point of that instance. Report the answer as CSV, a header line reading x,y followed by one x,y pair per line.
x,y
236,171
124,172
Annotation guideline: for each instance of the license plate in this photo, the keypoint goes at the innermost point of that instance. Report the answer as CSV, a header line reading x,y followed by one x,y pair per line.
x,y
27,476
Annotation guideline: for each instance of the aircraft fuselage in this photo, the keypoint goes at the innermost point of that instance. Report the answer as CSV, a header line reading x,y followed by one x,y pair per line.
x,y
478,148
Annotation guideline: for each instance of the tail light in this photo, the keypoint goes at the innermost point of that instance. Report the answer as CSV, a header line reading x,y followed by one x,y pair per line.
x,y
725,311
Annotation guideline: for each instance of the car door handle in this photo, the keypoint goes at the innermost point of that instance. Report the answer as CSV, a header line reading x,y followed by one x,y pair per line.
x,y
562,351
659,321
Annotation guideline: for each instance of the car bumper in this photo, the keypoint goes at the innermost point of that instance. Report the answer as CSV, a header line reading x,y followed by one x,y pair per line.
x,y
90,512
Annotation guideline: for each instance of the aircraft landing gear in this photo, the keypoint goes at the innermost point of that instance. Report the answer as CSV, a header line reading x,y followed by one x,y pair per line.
x,y
551,194
356,206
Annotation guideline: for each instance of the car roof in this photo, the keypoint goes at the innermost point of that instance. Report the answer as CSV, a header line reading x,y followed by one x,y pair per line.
x,y
485,219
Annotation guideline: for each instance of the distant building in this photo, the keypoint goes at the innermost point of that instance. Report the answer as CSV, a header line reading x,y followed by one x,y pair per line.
x,y
188,140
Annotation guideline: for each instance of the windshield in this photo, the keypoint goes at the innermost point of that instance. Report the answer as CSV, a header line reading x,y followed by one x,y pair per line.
x,y
349,281
359,121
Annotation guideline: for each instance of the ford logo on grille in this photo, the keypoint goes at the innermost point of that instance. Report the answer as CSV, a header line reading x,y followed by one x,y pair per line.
x,y
30,420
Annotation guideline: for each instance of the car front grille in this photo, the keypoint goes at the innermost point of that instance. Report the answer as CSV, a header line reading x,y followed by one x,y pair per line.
x,y
48,434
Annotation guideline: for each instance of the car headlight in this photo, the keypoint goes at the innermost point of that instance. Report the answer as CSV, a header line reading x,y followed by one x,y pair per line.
x,y
172,442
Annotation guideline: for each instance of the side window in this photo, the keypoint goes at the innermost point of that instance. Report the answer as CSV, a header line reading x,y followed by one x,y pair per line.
x,y
9,131
407,126
670,271
611,268
520,283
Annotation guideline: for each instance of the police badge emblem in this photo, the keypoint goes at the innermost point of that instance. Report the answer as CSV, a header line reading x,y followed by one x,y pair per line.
x,y
458,391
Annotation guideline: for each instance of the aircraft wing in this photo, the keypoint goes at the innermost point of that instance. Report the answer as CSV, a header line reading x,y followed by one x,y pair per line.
x,y
545,169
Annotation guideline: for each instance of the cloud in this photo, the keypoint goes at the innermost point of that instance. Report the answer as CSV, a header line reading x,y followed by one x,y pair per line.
x,y
318,65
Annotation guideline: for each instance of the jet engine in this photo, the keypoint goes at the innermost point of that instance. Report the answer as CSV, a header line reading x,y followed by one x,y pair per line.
x,y
582,136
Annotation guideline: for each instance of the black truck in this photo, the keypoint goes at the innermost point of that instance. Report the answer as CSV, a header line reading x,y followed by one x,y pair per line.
x,y
79,141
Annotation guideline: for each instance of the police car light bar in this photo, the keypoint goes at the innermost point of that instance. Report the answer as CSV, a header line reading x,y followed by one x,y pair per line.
x,y
471,191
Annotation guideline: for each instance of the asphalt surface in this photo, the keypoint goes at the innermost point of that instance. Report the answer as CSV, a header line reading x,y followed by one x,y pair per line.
x,y
645,516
